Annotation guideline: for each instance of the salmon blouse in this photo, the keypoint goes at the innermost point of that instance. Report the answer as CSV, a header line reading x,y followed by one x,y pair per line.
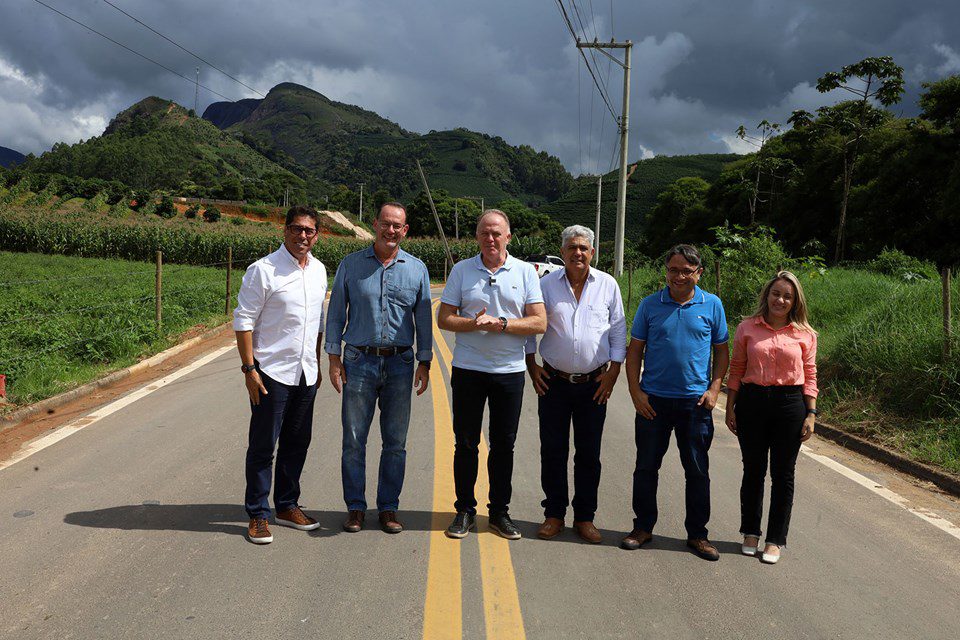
x,y
769,357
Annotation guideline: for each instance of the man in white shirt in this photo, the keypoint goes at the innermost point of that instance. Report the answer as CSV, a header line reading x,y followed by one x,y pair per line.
x,y
278,320
492,302
582,351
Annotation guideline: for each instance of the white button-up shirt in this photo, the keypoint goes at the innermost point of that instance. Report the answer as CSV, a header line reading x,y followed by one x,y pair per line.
x,y
282,304
584,335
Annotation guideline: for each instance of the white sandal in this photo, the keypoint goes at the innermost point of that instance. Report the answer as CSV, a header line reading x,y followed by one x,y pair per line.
x,y
769,558
748,550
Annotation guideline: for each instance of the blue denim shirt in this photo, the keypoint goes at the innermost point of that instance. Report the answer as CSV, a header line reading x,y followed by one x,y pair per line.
x,y
380,306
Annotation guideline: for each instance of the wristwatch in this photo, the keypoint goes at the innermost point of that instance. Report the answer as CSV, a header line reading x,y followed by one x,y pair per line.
x,y
813,412
503,324
247,368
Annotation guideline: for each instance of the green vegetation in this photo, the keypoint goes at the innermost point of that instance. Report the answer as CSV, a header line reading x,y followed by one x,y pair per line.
x,y
647,180
65,321
879,351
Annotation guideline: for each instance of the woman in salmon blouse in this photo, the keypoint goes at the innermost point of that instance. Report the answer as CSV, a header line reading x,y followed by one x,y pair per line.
x,y
772,406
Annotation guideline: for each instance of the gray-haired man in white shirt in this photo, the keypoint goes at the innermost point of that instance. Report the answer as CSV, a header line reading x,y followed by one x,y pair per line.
x,y
582,351
278,320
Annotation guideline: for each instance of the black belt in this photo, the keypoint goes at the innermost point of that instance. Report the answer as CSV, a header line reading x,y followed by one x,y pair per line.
x,y
382,351
574,378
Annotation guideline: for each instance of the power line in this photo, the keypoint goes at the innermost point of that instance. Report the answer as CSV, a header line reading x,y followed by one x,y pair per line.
x,y
566,17
137,53
179,46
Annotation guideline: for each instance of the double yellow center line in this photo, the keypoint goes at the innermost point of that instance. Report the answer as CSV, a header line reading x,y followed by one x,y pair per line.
x,y
443,609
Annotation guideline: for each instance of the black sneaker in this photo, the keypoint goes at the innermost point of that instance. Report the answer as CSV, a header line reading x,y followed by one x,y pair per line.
x,y
502,524
461,525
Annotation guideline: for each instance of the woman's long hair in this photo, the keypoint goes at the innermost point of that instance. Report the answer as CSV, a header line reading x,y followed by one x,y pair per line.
x,y
798,312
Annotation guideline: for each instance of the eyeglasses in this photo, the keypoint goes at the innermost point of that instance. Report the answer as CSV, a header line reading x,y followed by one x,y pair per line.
x,y
686,273
297,230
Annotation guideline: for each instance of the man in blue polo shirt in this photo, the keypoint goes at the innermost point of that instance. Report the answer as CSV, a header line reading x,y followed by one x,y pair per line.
x,y
492,302
673,336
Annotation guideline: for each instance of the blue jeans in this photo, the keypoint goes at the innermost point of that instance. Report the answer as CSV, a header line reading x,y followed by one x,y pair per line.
x,y
285,414
693,426
373,380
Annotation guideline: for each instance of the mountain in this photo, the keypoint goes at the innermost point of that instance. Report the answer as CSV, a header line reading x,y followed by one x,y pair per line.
x,y
157,144
9,157
345,144
646,179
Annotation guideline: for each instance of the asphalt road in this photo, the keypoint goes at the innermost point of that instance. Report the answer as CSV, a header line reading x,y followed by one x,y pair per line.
x,y
133,528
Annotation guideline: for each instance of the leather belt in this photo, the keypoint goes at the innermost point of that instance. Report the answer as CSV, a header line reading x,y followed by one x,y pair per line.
x,y
575,378
382,351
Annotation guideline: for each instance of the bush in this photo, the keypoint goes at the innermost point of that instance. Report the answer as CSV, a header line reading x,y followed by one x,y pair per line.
x,y
237,221
212,214
748,258
165,209
192,212
893,262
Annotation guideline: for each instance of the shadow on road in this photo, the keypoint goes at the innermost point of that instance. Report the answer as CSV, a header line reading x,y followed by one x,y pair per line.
x,y
231,519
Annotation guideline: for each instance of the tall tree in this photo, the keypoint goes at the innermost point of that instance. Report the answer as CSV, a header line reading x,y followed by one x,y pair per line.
x,y
767,131
871,80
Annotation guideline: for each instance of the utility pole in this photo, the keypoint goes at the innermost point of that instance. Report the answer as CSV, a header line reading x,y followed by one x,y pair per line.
x,y
196,92
624,128
360,215
456,218
596,227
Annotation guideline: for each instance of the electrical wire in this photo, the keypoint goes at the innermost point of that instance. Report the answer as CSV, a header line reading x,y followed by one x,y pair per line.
x,y
181,47
133,51
566,17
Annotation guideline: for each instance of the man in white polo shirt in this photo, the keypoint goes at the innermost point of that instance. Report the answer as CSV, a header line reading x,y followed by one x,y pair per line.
x,y
278,320
582,350
492,302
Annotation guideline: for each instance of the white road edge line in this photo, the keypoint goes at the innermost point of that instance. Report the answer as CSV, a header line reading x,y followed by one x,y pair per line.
x,y
75,426
924,514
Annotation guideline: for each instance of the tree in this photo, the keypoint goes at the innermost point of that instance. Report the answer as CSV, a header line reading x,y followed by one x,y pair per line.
x,y
875,80
680,215
212,214
767,131
941,102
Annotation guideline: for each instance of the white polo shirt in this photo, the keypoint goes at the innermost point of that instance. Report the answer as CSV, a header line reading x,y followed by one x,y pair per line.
x,y
505,293
283,305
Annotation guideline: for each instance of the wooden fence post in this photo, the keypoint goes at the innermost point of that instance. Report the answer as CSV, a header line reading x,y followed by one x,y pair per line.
x,y
226,304
629,287
947,323
716,264
159,292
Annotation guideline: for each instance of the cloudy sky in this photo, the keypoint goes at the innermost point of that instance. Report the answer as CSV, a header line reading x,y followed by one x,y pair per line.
x,y
504,67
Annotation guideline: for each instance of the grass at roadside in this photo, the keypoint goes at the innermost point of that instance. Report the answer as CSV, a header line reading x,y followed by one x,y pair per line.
x,y
65,321
879,358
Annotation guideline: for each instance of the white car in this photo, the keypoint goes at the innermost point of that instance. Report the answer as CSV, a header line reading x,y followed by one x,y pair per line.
x,y
545,264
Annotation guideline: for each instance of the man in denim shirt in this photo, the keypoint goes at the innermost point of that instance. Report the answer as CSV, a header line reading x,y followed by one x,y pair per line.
x,y
379,301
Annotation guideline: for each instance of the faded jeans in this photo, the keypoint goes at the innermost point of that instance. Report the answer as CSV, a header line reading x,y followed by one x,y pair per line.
x,y
387,382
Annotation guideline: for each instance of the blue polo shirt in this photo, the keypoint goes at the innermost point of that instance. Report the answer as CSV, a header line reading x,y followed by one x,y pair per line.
x,y
679,341
471,287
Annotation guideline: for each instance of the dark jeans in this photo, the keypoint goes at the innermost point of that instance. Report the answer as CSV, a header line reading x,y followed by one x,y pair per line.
x,y
562,403
769,423
471,391
693,426
285,413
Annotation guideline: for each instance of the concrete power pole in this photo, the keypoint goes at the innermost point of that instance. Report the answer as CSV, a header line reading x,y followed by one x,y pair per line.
x,y
360,215
624,128
196,92
596,227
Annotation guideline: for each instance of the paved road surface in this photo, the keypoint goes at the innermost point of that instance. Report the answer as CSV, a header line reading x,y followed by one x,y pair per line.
x,y
132,528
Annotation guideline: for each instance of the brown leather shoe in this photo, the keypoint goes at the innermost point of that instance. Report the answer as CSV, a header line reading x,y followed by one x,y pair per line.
x,y
550,528
354,521
588,532
703,548
297,519
389,522
636,539
258,531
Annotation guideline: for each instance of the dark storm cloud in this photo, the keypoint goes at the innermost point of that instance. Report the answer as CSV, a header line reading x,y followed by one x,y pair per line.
x,y
503,67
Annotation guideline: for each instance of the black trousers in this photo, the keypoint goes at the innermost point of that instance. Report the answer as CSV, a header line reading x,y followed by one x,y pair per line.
x,y
562,403
503,392
769,424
